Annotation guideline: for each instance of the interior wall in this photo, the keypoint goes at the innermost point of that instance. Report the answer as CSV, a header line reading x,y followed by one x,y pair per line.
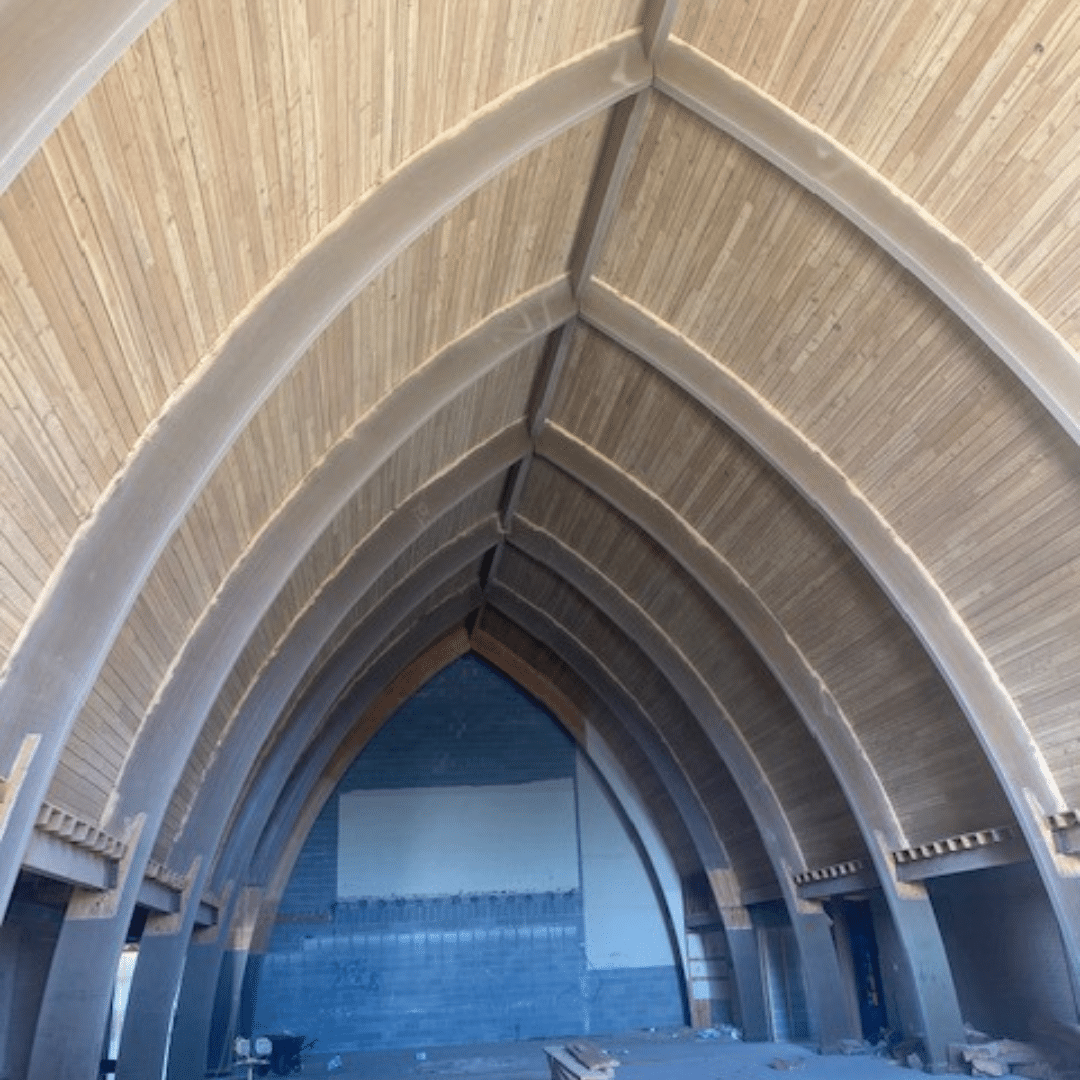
x,y
1004,948
387,937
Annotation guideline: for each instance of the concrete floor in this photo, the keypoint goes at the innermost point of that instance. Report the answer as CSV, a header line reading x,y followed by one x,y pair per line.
x,y
645,1055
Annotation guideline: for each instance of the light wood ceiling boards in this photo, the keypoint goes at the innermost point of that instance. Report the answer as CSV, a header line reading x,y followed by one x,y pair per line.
x,y
969,109
568,610
763,715
804,574
274,235
903,398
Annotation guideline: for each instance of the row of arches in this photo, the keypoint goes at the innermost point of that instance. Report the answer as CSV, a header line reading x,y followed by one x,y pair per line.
x,y
545,523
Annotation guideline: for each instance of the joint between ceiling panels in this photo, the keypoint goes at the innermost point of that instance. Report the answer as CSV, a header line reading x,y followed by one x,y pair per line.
x,y
620,147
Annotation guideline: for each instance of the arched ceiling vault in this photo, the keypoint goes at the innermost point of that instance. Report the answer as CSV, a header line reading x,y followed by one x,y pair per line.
x,y
728,356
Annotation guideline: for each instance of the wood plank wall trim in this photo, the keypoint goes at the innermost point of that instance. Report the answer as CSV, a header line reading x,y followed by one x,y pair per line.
x,y
827,873
840,879
1040,357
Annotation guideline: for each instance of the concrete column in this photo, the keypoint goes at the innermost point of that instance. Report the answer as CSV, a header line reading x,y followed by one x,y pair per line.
x,y
831,1016
188,1046
156,984
151,1004
753,1010
78,994
929,978
226,1008
27,939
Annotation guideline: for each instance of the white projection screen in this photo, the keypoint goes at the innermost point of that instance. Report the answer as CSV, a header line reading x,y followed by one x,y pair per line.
x,y
458,840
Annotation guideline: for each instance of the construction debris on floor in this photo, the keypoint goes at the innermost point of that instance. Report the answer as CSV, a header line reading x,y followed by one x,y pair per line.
x,y
580,1061
1055,1055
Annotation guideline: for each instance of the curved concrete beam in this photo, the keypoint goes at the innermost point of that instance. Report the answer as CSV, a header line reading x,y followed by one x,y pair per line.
x,y
718,579
175,717
51,53
520,670
326,690
1035,352
171,727
153,990
266,699
317,702
1012,751
284,849
636,726
79,987
277,548
825,1001
54,664
939,1020
241,919
750,778
280,845
305,725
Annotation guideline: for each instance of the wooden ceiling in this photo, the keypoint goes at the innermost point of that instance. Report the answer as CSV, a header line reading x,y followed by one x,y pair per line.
x,y
716,363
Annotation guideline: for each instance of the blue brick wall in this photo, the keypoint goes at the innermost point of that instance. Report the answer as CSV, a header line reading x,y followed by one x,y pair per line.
x,y
399,972
620,999
312,889
467,726
427,972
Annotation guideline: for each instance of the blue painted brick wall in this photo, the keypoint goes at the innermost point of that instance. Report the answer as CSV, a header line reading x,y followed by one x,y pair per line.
x,y
467,726
392,973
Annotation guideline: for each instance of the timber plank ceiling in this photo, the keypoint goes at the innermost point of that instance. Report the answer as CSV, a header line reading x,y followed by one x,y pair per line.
x,y
716,362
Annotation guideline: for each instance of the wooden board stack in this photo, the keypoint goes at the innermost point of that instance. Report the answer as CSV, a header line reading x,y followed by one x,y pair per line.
x,y
580,1061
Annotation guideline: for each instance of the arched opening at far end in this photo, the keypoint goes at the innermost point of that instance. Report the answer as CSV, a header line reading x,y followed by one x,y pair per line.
x,y
470,879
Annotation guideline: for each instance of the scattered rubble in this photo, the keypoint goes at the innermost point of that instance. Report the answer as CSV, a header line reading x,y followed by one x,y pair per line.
x,y
787,1064
983,1055
723,1033
856,1047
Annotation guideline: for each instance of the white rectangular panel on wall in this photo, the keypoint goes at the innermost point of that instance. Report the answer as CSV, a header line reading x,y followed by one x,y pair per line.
x,y
624,927
458,840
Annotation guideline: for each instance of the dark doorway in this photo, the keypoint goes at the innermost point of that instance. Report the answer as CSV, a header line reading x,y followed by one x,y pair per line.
x,y
867,970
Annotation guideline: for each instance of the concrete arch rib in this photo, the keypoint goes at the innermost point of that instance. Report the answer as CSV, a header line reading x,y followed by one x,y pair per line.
x,y
103,937
636,725
305,724
52,54
111,555
285,835
939,1017
825,1001
150,1004
286,838
996,721
171,727
605,759
250,822
244,919
1035,352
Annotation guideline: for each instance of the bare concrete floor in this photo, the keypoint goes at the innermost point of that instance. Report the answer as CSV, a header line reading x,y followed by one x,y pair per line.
x,y
673,1054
